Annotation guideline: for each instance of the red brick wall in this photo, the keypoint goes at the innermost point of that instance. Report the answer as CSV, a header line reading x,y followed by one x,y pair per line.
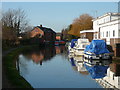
x,y
58,38
36,31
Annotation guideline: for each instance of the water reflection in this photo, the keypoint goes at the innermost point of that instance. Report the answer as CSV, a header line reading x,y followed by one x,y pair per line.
x,y
52,67
38,55
78,64
49,68
104,72
112,79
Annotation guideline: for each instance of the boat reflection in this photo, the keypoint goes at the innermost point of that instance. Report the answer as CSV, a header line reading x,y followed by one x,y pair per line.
x,y
104,72
97,68
96,71
78,64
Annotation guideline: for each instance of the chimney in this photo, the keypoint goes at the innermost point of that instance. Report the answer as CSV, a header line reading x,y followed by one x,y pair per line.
x,y
41,25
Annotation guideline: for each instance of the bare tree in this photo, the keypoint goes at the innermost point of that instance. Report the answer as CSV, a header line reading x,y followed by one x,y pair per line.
x,y
15,19
13,22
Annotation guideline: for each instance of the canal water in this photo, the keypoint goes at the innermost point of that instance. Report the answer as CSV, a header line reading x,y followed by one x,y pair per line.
x,y
52,67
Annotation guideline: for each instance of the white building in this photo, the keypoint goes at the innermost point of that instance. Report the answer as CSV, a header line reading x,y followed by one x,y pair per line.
x,y
107,27
87,34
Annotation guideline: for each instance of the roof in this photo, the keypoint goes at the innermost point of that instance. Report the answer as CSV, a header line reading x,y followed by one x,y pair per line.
x,y
58,34
107,14
86,31
45,29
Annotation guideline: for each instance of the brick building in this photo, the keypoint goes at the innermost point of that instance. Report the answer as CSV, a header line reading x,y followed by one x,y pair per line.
x,y
58,36
43,34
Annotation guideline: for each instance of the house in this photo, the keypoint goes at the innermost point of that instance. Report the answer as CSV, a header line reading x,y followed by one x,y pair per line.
x,y
43,34
107,27
87,34
58,36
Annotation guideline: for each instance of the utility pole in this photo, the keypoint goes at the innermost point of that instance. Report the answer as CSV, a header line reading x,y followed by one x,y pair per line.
x,y
119,7
96,14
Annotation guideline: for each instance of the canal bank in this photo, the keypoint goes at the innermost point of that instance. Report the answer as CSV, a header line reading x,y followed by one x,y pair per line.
x,y
42,63
10,76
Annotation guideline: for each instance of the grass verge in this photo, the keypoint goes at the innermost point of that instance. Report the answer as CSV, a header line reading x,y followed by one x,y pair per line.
x,y
10,69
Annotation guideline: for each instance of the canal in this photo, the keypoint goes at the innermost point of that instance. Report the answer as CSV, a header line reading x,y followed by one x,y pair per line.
x,y
52,67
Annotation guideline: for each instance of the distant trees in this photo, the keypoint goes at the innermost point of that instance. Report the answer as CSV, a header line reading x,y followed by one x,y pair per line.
x,y
84,22
65,34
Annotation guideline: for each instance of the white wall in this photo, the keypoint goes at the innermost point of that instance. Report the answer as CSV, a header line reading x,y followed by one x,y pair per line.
x,y
110,30
107,24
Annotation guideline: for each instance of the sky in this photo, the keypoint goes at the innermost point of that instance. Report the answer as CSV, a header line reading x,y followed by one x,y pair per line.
x,y
58,15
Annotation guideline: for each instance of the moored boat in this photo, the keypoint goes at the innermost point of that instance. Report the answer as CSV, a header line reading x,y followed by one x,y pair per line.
x,y
97,50
80,46
71,45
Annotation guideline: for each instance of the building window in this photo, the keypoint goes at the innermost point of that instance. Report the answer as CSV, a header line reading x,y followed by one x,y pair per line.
x,y
97,23
107,34
40,35
113,76
113,33
119,33
101,34
95,36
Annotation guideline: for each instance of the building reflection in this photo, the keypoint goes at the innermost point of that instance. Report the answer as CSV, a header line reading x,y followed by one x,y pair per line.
x,y
60,49
112,79
39,55
37,58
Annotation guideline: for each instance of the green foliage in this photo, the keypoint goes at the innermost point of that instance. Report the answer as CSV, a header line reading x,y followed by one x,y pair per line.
x,y
66,36
11,71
